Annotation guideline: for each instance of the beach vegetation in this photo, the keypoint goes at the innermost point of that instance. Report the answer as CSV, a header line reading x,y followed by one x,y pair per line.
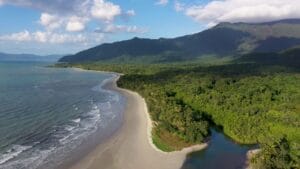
x,y
253,103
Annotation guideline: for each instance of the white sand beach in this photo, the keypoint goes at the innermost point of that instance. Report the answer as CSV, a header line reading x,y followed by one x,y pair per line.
x,y
131,147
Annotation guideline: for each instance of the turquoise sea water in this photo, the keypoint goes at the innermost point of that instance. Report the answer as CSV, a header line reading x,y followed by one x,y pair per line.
x,y
47,113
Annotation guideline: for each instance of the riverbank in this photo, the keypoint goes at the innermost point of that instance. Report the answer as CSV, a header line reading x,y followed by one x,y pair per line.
x,y
251,154
131,147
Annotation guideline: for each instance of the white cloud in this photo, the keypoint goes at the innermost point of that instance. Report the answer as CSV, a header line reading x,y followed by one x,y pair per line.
x,y
178,6
100,9
244,11
50,6
87,10
53,43
130,13
20,36
52,38
66,25
126,16
50,21
162,2
73,16
71,24
40,36
58,38
76,24
104,10
121,28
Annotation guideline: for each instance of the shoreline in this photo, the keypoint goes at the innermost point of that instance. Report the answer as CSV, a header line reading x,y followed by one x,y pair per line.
x,y
250,155
119,152
116,77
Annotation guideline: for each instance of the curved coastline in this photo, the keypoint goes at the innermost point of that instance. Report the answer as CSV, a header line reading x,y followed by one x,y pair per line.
x,y
131,147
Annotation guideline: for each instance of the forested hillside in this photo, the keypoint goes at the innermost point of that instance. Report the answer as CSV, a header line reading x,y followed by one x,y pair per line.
x,y
290,57
225,39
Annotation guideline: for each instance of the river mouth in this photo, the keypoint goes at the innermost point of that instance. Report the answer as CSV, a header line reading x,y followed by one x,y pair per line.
x,y
221,153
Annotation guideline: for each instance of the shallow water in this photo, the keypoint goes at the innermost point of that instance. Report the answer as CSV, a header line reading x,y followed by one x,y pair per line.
x,y
222,153
47,113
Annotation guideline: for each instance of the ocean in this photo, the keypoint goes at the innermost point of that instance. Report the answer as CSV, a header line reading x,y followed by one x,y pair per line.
x,y
49,114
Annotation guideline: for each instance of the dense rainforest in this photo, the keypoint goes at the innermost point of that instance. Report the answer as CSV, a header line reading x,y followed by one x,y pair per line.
x,y
251,102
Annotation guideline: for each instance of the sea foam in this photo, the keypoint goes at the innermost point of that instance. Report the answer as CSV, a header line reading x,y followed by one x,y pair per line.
x,y
13,152
76,120
66,137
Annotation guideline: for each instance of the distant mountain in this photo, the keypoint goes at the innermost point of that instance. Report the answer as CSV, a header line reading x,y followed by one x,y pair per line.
x,y
29,57
267,37
289,57
225,39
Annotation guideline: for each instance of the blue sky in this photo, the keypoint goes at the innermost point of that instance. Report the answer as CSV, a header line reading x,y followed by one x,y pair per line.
x,y
64,26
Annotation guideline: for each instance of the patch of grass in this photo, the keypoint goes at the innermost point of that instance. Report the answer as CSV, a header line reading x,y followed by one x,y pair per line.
x,y
167,141
160,143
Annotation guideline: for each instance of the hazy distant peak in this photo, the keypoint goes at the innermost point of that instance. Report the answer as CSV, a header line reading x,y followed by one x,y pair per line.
x,y
29,57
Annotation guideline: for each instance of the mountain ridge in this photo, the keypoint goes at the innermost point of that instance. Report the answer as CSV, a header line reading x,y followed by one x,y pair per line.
x,y
225,39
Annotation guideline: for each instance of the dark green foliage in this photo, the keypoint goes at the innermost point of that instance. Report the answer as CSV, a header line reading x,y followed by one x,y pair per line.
x,y
225,39
215,41
251,102
289,57
119,51
276,155
276,44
